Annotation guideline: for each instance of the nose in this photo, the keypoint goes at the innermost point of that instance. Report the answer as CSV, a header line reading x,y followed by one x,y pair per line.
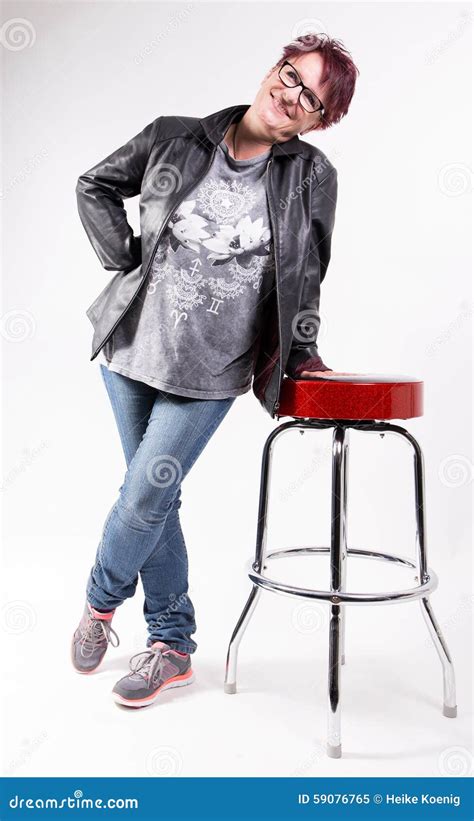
x,y
290,96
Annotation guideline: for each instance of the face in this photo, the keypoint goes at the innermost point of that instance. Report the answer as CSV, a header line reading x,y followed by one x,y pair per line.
x,y
277,107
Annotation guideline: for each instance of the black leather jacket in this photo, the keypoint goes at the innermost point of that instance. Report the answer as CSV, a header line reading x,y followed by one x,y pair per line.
x,y
161,164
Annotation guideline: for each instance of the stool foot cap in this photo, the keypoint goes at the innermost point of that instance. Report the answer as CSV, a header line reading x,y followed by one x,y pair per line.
x,y
450,712
334,752
230,688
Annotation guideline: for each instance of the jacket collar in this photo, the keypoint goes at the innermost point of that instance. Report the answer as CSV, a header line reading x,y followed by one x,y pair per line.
x,y
215,126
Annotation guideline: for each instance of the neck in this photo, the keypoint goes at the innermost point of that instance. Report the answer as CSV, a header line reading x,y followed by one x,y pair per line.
x,y
248,141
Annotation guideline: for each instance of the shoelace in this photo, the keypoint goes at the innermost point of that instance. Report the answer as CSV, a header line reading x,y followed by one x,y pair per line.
x,y
94,633
148,664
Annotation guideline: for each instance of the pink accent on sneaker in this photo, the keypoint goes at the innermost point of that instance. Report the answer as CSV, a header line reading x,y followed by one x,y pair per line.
x,y
163,646
96,614
175,681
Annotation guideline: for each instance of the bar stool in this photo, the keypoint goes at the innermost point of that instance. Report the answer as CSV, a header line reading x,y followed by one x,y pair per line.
x,y
364,402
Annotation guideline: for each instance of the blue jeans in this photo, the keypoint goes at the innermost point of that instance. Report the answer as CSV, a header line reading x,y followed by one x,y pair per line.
x,y
162,435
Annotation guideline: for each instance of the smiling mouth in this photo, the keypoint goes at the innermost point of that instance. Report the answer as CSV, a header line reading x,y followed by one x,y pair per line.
x,y
278,106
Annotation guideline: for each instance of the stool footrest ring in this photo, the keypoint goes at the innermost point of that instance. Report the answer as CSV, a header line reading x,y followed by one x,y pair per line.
x,y
423,589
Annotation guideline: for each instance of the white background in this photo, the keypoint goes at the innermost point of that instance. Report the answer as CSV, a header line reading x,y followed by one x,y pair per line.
x,y
396,299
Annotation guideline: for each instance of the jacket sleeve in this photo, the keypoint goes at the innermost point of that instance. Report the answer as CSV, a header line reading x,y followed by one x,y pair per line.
x,y
304,354
100,192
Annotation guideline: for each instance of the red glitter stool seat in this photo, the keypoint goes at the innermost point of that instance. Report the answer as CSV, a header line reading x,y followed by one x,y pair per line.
x,y
352,396
365,403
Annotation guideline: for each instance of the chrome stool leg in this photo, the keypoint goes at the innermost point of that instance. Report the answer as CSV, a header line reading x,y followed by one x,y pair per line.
x,y
449,682
345,470
338,557
450,709
230,682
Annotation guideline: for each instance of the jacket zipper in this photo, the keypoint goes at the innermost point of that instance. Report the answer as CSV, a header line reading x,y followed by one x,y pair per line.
x,y
276,244
153,254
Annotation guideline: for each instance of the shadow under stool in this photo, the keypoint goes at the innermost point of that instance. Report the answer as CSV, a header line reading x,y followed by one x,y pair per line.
x,y
364,402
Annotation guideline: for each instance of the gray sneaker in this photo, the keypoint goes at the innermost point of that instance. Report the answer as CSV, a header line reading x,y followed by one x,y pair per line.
x,y
157,669
91,639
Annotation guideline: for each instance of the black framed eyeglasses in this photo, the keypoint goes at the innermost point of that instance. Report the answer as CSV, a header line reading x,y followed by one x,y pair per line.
x,y
307,98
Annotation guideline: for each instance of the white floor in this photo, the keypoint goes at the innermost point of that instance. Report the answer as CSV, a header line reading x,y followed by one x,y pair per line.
x,y
58,723
63,724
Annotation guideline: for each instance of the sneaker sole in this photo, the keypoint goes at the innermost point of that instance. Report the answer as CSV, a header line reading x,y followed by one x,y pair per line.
x,y
178,681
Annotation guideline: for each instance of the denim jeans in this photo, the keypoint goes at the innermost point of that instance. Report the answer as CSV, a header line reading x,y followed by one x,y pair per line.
x,y
162,435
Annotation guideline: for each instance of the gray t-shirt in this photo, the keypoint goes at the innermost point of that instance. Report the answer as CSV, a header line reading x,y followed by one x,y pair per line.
x,y
192,329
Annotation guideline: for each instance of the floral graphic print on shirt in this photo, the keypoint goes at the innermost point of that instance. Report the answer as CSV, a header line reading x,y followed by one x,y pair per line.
x,y
245,245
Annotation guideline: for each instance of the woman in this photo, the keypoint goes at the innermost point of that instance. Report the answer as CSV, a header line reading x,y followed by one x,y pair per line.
x,y
222,287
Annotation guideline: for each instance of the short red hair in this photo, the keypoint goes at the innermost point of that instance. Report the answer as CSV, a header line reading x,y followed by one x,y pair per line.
x,y
339,73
